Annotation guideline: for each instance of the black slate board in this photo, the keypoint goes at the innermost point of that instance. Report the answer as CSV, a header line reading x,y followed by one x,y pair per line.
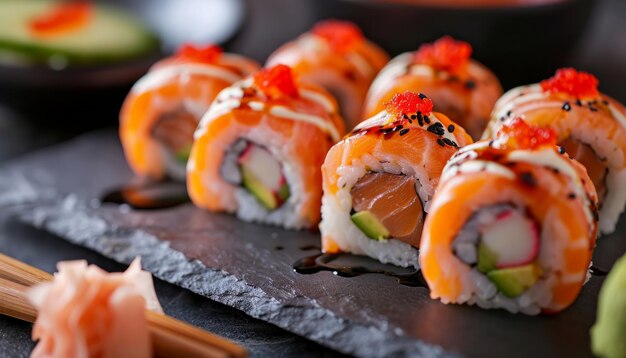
x,y
238,264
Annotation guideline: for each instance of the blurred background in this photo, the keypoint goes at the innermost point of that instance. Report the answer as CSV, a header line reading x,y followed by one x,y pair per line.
x,y
46,98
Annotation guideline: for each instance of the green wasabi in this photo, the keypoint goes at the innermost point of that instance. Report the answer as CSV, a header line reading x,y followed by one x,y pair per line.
x,y
608,335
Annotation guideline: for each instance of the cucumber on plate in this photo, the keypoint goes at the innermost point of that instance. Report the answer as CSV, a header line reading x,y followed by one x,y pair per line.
x,y
107,35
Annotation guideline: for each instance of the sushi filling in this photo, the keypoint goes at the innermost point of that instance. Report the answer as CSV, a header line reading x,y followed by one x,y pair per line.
x,y
595,165
503,243
387,206
174,130
255,169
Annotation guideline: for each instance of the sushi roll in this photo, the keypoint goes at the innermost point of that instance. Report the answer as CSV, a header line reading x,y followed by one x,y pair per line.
x,y
513,225
460,87
162,110
336,56
379,180
259,149
590,126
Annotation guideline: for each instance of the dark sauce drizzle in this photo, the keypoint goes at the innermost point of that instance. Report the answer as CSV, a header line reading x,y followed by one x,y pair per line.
x,y
149,195
597,271
346,265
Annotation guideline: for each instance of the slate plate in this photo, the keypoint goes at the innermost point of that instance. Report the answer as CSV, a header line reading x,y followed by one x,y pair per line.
x,y
249,267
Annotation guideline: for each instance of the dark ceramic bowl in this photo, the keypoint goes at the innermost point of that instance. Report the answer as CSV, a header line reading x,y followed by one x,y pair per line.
x,y
83,97
522,44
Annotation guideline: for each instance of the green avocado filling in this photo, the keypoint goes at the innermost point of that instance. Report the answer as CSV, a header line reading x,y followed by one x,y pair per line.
x,y
264,195
370,225
512,282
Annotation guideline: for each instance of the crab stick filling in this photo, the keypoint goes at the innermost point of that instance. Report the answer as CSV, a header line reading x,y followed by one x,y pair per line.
x,y
502,242
254,168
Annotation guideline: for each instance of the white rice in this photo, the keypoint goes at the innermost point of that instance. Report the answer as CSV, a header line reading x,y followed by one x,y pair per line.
x,y
337,222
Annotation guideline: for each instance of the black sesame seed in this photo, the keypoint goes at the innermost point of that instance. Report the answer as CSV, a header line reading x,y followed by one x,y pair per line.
x,y
438,124
426,119
451,128
571,196
404,131
491,143
449,142
592,108
508,113
405,116
413,116
579,103
440,142
470,85
433,128
422,96
566,107
420,121
605,102
529,179
502,118
561,150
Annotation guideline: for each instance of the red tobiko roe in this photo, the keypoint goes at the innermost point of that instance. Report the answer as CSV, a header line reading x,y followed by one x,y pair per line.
x,y
276,82
576,83
341,35
203,54
61,18
409,102
521,135
445,54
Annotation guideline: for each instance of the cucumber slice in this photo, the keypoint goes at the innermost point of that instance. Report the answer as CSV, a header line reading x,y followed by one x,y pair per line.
x,y
111,35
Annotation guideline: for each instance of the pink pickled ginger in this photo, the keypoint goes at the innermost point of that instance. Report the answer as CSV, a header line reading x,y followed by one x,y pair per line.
x,y
88,312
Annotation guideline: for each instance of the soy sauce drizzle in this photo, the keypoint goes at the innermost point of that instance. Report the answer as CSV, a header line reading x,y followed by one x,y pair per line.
x,y
149,195
597,271
346,265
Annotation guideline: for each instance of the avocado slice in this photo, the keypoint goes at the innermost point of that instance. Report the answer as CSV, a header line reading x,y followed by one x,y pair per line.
x,y
283,192
183,155
264,195
487,259
111,35
370,225
512,282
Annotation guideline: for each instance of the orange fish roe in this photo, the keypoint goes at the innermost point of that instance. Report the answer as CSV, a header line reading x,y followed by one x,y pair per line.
x,y
521,135
276,82
445,54
409,102
341,35
61,19
202,54
576,83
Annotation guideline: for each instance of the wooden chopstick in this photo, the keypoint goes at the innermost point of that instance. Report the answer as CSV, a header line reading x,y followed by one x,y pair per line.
x,y
170,337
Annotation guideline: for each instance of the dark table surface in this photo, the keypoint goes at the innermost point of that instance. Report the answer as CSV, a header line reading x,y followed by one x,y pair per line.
x,y
601,51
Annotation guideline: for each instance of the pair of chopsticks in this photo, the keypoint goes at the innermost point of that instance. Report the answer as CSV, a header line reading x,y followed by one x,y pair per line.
x,y
170,337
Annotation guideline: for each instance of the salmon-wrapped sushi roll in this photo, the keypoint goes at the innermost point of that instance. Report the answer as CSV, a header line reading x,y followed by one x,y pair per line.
x,y
379,180
513,225
590,126
259,149
460,87
163,108
336,56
